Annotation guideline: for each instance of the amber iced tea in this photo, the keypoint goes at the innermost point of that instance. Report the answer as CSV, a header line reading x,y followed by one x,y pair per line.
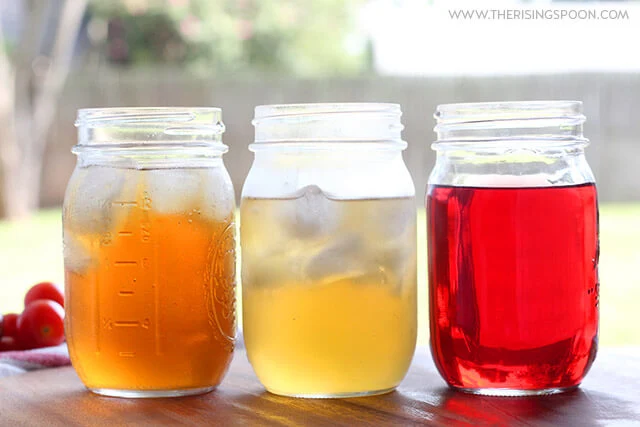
x,y
329,290
150,287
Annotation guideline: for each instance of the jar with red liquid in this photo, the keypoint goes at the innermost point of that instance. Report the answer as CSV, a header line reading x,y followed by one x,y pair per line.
x,y
512,218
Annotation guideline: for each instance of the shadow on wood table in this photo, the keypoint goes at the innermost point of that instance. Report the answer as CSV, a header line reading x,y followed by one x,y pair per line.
x,y
610,394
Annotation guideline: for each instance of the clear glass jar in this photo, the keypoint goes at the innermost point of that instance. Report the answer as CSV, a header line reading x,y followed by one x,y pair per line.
x,y
149,252
328,225
513,248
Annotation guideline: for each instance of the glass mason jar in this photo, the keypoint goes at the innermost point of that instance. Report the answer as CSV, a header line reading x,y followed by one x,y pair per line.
x,y
328,236
513,248
149,252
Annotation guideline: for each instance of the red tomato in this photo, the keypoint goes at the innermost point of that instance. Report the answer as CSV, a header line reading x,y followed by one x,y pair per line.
x,y
41,324
9,325
9,344
44,290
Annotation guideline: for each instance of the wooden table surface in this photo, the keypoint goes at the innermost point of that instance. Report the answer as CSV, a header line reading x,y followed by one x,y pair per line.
x,y
610,395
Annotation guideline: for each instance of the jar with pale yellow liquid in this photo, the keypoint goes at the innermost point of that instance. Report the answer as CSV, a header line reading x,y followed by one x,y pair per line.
x,y
328,237
149,252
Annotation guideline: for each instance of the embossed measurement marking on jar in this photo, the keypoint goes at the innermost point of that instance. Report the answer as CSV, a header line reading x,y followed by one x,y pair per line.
x,y
126,324
125,263
124,204
131,314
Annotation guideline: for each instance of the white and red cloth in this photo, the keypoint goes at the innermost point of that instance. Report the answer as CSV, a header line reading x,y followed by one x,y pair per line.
x,y
18,362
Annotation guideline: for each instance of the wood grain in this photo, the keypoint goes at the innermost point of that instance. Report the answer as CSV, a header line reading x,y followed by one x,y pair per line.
x,y
52,397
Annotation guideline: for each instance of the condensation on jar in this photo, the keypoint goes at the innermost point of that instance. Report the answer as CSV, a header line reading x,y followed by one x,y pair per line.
x,y
149,252
328,224
512,219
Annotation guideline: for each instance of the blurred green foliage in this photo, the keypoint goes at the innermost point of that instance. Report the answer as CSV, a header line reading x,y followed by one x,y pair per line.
x,y
307,38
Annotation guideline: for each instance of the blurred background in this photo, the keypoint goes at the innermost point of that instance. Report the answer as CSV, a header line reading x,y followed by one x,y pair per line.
x,y
60,55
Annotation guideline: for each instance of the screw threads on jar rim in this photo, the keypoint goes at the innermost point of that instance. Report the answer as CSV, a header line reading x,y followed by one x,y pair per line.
x,y
492,124
323,125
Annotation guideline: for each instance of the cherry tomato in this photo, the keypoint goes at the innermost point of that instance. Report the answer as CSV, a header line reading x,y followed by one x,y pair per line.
x,y
9,344
41,324
44,290
9,325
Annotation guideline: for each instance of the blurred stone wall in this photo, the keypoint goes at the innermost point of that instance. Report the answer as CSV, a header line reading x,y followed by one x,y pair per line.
x,y
609,102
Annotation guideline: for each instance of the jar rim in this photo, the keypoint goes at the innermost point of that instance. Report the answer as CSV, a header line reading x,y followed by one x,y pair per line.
x,y
98,116
150,128
328,125
488,125
506,110
272,111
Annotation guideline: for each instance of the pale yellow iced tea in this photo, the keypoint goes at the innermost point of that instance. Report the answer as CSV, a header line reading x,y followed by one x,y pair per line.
x,y
153,308
329,293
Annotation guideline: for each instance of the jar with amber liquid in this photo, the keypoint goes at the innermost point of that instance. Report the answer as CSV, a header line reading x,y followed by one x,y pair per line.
x,y
149,252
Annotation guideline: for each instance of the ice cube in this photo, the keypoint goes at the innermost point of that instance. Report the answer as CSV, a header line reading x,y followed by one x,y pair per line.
x,y
218,197
90,196
392,219
76,256
172,191
342,258
312,214
207,191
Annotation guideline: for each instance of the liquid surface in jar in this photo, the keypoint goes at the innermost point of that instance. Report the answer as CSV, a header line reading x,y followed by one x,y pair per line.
x,y
513,285
150,298
329,292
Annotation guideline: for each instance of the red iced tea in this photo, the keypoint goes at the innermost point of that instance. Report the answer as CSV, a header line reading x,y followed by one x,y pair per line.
x,y
513,278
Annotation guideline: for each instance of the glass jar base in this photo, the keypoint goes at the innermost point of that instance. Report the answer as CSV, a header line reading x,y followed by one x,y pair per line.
x,y
141,394
332,395
509,392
